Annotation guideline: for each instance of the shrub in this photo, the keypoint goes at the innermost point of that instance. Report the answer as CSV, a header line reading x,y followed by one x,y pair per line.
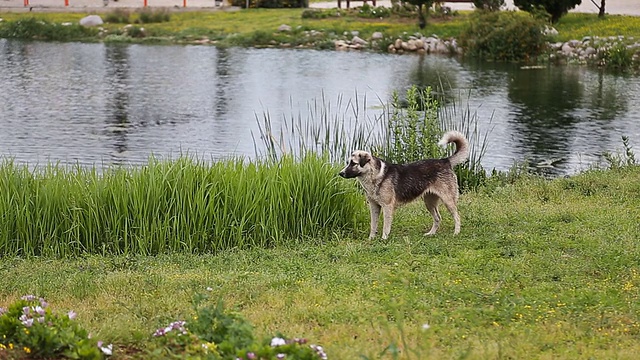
x,y
617,57
555,8
489,5
271,3
156,15
29,329
35,29
503,36
118,16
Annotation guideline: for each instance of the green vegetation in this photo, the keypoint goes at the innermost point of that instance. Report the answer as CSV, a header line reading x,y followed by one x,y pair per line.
x,y
167,206
541,269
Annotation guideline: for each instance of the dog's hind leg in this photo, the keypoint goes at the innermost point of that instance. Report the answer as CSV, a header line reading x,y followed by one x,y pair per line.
x,y
431,201
374,210
450,203
387,214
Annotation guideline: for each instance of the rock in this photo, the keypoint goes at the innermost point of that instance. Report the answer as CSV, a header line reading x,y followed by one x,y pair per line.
x,y
411,45
419,44
549,31
355,33
359,41
391,48
441,48
377,35
398,44
574,43
284,28
91,20
590,51
567,49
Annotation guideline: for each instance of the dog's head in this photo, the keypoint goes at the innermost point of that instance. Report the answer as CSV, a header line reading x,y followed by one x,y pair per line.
x,y
359,164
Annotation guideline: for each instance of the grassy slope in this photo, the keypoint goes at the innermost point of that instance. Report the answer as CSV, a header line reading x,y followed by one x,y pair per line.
x,y
541,270
218,24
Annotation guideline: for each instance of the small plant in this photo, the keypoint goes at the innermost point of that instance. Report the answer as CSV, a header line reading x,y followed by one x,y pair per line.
x,y
28,328
118,16
617,57
218,334
35,29
619,161
148,16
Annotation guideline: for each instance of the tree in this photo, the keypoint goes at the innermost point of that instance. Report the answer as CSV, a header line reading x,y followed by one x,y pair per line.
x,y
555,8
600,8
422,20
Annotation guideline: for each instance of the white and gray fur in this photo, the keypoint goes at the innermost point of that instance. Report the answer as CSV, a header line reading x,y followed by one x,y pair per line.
x,y
388,186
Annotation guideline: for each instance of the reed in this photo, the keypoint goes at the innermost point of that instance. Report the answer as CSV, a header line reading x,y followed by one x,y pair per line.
x,y
401,130
183,205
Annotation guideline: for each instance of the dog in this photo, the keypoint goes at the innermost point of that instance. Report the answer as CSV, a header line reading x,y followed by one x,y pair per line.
x,y
388,186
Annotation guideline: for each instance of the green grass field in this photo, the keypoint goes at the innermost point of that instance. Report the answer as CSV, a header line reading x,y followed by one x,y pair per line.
x,y
542,270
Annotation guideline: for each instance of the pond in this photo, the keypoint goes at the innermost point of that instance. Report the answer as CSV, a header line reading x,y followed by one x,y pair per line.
x,y
98,104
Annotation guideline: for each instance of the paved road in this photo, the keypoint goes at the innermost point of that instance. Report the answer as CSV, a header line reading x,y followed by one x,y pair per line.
x,y
628,7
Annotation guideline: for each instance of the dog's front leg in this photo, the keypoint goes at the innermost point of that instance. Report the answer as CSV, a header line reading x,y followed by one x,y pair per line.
x,y
387,213
374,210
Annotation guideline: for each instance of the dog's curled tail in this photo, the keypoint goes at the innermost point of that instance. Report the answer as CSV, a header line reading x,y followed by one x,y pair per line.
x,y
462,146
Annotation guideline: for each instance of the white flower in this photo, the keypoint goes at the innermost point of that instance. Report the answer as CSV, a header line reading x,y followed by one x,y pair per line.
x,y
276,341
209,288
425,326
107,350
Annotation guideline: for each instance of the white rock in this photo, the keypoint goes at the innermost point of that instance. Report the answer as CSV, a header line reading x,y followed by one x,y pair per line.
x,y
377,35
284,28
91,20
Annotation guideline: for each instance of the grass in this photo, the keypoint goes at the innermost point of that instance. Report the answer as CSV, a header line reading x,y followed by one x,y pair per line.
x,y
220,25
166,206
542,269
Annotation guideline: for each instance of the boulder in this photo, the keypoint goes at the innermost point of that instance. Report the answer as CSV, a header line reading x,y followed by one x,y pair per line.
x,y
91,20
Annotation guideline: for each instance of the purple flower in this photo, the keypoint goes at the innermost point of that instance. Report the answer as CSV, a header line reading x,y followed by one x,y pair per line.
x,y
28,297
251,356
159,332
280,356
28,322
2,311
43,303
72,314
26,310
41,320
39,310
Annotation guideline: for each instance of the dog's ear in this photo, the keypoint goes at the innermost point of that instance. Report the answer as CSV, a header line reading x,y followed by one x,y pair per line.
x,y
364,159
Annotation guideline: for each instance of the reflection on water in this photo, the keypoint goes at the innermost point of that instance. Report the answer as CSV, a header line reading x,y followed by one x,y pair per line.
x,y
114,104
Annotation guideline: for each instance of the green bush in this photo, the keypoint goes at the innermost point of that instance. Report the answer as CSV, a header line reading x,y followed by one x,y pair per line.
x,y
616,57
503,36
118,16
149,15
35,29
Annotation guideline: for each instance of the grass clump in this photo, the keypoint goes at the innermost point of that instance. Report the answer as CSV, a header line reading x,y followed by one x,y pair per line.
x,y
31,28
168,206
156,15
118,16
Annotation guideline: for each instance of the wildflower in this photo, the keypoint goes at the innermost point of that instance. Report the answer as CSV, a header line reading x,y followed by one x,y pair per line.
x,y
27,322
26,310
28,297
209,288
276,341
107,350
251,356
2,311
39,310
425,326
43,303
41,320
319,351
72,314
27,350
280,356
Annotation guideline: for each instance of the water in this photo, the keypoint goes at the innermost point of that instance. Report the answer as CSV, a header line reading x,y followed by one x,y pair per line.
x,y
98,104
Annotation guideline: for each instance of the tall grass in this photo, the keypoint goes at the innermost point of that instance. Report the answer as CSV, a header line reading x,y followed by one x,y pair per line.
x,y
184,205
406,129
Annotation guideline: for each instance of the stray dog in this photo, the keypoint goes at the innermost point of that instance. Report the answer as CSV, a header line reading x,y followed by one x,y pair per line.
x,y
388,186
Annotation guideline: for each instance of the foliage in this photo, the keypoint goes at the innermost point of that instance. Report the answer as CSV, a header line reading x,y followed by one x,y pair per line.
x,y
118,16
412,131
148,15
503,36
489,5
182,205
616,57
31,28
271,4
373,12
556,8
619,161
218,334
30,327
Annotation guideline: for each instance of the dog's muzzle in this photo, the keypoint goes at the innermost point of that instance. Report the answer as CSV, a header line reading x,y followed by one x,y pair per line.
x,y
343,174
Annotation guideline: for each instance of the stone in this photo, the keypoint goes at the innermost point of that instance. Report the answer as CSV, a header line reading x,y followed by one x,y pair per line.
x,y
359,41
91,20
377,35
284,28
398,44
